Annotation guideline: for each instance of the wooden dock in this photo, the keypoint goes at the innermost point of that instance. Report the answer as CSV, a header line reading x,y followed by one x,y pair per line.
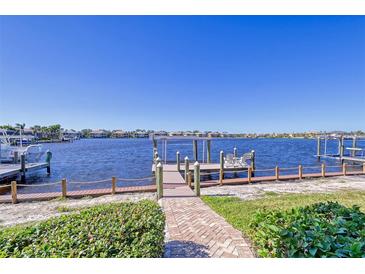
x,y
204,167
16,170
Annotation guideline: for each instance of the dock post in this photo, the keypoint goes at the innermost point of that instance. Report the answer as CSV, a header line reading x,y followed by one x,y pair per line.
x,y
339,147
277,173
197,178
48,161
209,157
221,167
195,149
249,175
353,152
14,197
154,141
189,179
318,148
342,147
22,167
178,161
300,172
159,181
186,160
16,157
235,152
363,168
344,169
253,162
64,188
323,170
114,182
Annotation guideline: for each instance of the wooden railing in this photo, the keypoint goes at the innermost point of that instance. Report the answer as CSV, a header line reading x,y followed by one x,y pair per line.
x,y
64,185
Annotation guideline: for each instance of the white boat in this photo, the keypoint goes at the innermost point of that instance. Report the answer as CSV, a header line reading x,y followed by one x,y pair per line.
x,y
33,153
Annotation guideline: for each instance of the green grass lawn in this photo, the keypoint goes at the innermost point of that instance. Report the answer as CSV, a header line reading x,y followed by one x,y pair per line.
x,y
120,230
240,213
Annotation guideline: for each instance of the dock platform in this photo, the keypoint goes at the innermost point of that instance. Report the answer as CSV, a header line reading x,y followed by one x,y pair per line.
x,y
13,170
204,167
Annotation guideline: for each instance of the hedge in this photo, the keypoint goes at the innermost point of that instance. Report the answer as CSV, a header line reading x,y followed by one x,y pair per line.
x,y
115,230
319,230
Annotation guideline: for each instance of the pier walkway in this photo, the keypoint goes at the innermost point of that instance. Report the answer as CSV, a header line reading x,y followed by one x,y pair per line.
x,y
9,170
193,228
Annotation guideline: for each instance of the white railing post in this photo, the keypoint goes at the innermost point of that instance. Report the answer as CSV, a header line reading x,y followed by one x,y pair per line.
x,y
221,167
178,161
197,178
159,180
186,168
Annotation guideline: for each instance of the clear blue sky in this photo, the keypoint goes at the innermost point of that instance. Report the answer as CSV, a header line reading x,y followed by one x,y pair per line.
x,y
227,73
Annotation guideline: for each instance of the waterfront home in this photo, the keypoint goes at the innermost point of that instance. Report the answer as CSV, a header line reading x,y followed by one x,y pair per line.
x,y
119,133
161,133
99,133
188,133
140,134
71,134
214,134
176,133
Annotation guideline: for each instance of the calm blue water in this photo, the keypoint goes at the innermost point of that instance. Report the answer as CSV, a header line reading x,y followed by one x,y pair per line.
x,y
96,159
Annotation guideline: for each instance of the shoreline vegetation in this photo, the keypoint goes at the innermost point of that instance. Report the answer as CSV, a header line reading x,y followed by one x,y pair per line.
x,y
298,225
55,133
115,230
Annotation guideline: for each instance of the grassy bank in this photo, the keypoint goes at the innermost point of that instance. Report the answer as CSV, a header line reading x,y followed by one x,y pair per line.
x,y
114,230
273,215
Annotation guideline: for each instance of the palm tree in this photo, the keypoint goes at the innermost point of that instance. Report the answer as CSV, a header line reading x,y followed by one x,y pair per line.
x,y
36,130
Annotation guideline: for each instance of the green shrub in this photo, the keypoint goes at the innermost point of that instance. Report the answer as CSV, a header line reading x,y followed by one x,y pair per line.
x,y
319,230
114,230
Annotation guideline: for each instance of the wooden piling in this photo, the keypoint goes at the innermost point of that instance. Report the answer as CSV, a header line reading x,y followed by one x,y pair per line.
x,y
253,160
342,146
318,148
159,180
353,152
16,157
363,168
195,149
189,178
197,179
48,161
209,157
277,173
186,171
14,195
178,161
114,182
22,168
249,175
300,172
344,169
64,188
154,141
221,167
323,170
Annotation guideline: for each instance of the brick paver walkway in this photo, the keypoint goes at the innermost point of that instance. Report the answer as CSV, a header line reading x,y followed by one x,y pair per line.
x,y
194,229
